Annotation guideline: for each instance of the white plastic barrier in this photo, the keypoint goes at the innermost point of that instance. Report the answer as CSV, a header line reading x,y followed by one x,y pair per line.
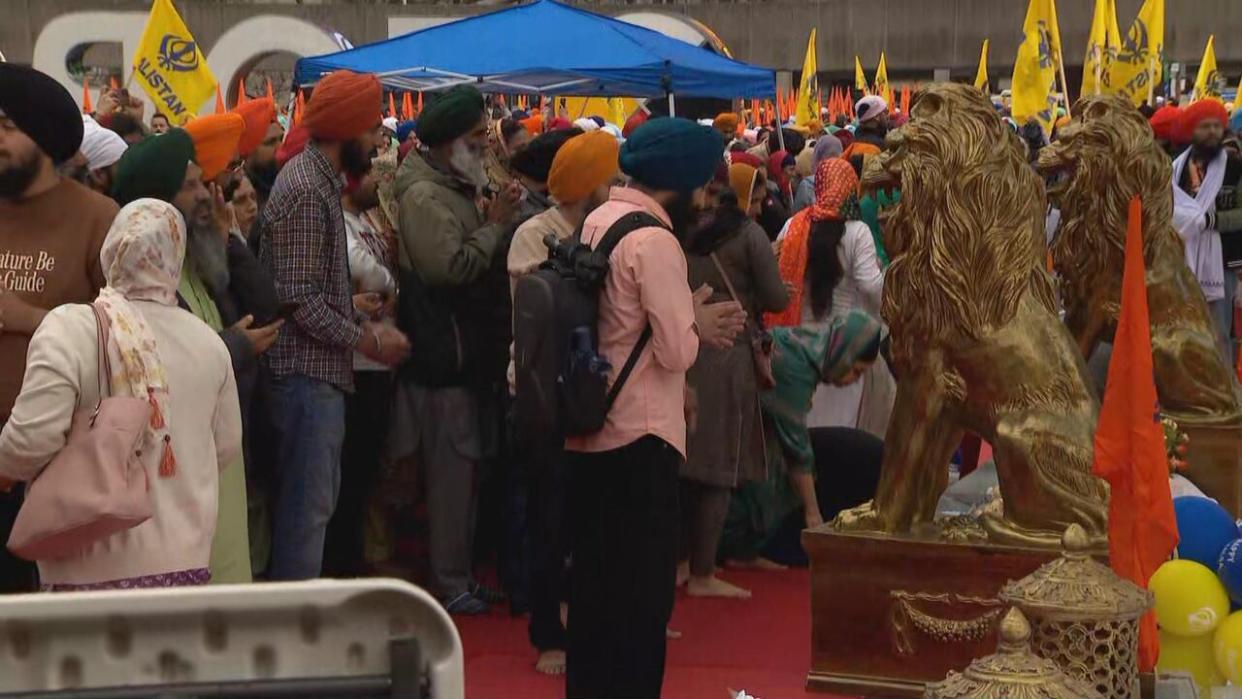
x,y
364,638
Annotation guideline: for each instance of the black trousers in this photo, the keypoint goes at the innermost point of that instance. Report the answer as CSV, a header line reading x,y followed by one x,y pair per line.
x,y
548,538
624,527
367,414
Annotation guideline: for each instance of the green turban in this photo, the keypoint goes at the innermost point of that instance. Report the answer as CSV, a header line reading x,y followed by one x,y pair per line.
x,y
672,154
451,116
154,167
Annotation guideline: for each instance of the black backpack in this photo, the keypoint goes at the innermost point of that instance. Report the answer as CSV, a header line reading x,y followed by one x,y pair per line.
x,y
562,381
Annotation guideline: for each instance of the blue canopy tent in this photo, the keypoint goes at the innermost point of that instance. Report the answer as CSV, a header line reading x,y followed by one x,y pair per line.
x,y
577,53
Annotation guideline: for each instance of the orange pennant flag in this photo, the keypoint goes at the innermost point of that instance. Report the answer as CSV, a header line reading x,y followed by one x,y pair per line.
x,y
271,94
420,103
87,107
112,83
392,106
299,106
905,99
407,106
241,92
1129,444
219,101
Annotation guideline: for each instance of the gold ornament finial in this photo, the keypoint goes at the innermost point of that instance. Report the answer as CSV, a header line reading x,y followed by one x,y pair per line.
x,y
1015,632
1075,541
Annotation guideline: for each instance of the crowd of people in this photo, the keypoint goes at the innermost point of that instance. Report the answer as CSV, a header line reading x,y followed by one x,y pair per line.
x,y
318,315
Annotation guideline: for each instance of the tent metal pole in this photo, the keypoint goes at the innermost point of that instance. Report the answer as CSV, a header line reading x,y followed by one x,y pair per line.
x,y
672,105
780,126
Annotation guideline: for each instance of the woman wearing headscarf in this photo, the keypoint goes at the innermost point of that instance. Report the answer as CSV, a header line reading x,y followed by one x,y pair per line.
x,y
157,352
826,146
731,254
781,169
836,353
828,257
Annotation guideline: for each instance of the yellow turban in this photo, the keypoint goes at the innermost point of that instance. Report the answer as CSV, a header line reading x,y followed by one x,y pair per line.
x,y
742,180
215,141
582,165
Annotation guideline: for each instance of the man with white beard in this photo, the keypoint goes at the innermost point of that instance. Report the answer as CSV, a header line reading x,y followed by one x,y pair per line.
x,y
454,288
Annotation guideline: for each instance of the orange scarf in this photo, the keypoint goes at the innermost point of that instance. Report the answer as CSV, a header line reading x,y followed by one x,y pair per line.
x,y
835,181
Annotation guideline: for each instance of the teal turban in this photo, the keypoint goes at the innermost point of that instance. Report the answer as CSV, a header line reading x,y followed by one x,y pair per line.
x,y
154,167
672,154
450,116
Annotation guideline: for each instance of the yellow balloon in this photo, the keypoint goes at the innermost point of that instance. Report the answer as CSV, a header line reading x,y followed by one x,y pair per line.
x,y
1228,648
1192,655
1190,599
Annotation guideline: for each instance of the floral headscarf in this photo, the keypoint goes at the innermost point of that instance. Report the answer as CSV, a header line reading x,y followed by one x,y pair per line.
x,y
141,257
836,197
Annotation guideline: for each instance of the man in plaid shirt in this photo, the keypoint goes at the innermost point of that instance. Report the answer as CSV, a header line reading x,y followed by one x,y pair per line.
x,y
304,248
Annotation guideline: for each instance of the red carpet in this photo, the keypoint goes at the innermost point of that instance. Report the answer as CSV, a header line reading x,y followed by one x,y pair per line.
x,y
761,645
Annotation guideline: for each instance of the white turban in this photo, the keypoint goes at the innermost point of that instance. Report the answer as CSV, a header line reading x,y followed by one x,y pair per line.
x,y
870,107
101,147
587,125
390,123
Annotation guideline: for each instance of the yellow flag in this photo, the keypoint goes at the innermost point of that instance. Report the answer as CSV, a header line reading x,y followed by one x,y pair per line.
x,y
171,66
981,75
881,82
860,78
1035,70
1207,83
1103,43
808,110
617,107
1138,65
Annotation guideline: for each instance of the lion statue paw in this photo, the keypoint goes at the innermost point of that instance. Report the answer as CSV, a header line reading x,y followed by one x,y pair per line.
x,y
858,519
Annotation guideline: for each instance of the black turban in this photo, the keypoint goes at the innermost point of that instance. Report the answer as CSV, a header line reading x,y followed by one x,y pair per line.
x,y
42,109
535,160
154,167
450,116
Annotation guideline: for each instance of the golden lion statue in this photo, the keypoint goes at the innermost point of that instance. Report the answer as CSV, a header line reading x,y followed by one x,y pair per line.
x,y
1112,155
977,343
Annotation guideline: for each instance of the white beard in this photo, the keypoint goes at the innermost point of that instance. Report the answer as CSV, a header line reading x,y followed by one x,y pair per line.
x,y
467,164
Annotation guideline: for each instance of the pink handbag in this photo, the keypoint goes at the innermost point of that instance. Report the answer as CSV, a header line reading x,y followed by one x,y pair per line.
x,y
97,485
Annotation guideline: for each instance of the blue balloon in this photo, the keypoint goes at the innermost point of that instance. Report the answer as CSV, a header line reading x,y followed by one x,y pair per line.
x,y
1204,527
1230,570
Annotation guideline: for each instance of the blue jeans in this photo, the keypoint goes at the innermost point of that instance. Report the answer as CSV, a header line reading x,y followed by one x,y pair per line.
x,y
308,417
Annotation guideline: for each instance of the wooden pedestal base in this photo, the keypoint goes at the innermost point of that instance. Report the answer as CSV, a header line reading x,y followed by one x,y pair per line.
x,y
892,613
1215,458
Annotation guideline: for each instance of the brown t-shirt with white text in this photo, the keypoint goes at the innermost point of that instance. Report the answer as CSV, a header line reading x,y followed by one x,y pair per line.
x,y
49,256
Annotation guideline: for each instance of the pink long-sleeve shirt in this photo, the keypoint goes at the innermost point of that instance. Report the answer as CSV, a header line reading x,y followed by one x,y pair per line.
x,y
646,283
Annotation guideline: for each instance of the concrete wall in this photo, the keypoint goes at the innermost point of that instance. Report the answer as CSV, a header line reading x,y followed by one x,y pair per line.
x,y
917,35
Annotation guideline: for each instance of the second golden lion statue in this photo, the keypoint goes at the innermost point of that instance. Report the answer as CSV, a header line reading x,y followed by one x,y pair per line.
x,y
976,338
1110,154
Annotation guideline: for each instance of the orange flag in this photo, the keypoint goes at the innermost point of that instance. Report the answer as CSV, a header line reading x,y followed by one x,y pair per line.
x,y
392,106
420,103
87,107
905,100
241,92
112,83
1129,444
299,106
219,101
407,106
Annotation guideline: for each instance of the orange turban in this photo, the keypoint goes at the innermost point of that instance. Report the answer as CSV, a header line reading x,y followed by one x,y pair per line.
x,y
1164,123
215,141
533,125
742,180
583,164
1200,111
344,106
259,114
726,122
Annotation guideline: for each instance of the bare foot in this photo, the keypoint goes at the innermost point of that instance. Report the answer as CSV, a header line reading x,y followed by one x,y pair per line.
x,y
759,563
670,634
683,573
715,587
551,662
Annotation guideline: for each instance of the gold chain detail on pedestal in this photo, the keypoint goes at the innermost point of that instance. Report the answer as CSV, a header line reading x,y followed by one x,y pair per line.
x,y
905,617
